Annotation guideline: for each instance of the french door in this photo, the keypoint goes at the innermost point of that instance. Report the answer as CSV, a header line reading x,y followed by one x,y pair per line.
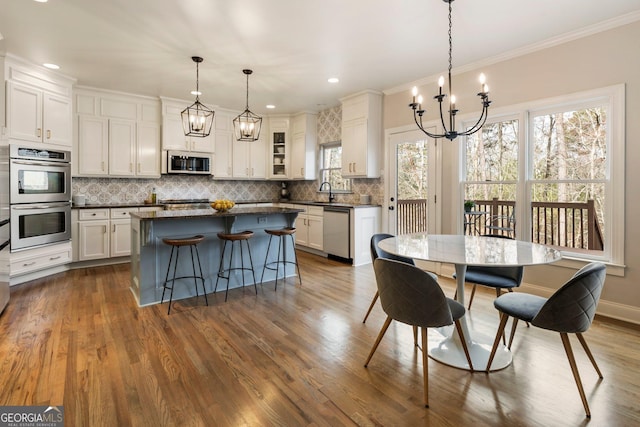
x,y
412,183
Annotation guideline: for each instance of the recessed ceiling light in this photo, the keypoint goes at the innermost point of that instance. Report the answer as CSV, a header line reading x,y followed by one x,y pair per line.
x,y
333,80
271,106
41,1
196,93
51,66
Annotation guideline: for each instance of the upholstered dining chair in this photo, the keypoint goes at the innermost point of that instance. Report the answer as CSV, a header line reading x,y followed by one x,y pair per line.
x,y
570,310
412,296
376,253
494,277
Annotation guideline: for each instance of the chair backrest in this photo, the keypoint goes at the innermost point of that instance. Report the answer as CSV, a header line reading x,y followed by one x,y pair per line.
x,y
410,295
376,252
513,273
572,307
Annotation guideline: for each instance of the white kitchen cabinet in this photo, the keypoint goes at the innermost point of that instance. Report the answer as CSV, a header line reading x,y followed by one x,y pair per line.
x,y
41,258
279,147
148,150
365,222
120,239
361,135
93,234
173,137
249,159
122,147
310,227
93,145
36,115
302,164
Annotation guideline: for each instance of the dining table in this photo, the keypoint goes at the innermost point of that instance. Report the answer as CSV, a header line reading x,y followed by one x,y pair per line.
x,y
462,251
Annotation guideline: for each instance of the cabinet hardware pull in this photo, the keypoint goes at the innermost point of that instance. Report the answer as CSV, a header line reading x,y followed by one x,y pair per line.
x,y
48,133
104,227
39,132
114,228
138,167
102,165
53,258
130,167
27,264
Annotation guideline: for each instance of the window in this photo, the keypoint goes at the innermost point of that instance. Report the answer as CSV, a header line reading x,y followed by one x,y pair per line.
x,y
560,182
331,168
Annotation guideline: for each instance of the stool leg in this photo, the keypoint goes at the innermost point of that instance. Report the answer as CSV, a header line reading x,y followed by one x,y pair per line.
x,y
266,260
193,265
278,262
253,272
226,294
220,271
166,279
204,290
241,262
173,281
295,258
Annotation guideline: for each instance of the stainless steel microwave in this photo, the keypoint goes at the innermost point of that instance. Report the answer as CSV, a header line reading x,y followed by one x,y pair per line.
x,y
188,162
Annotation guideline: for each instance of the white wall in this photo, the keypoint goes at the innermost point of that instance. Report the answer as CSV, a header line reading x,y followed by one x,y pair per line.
x,y
596,61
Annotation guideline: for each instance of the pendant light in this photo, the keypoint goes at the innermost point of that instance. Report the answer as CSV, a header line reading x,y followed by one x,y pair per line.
x,y
197,118
247,125
449,125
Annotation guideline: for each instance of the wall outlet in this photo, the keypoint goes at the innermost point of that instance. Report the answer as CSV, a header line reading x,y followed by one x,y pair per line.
x,y
262,220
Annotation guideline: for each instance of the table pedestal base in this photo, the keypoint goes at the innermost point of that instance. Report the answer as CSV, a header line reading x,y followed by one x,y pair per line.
x,y
445,347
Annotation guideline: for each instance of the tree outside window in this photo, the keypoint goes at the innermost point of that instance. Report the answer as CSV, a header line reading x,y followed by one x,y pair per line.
x,y
331,168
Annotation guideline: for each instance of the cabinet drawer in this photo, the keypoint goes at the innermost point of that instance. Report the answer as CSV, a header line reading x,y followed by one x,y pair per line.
x,y
41,258
91,214
122,213
315,210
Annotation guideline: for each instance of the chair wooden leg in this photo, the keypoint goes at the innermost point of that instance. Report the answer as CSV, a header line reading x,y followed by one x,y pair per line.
x,y
415,337
513,332
380,335
425,367
473,292
503,322
464,344
574,370
586,350
373,302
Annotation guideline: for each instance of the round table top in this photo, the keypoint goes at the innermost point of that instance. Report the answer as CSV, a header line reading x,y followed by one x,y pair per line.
x,y
469,250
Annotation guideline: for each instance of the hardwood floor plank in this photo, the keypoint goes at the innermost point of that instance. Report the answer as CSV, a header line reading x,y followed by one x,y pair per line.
x,y
289,357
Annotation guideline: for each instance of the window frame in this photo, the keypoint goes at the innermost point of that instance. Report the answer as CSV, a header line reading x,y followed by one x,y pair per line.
x,y
322,169
614,99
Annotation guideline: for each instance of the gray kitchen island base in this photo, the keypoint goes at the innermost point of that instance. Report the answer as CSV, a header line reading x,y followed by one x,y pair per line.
x,y
150,256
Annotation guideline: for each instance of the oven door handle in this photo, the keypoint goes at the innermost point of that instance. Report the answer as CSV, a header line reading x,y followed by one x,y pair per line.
x,y
31,206
35,163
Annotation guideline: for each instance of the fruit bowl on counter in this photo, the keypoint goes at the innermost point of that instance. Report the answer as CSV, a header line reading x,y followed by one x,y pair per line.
x,y
222,205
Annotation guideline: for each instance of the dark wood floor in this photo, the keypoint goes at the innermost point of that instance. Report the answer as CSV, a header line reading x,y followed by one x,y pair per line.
x,y
288,358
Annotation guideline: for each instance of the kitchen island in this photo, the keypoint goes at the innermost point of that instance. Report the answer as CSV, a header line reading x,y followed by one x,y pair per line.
x,y
150,256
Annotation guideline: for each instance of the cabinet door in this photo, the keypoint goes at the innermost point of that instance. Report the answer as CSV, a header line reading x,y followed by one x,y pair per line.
x,y
24,112
354,148
259,159
297,159
148,150
120,237
223,158
203,145
57,120
122,157
315,232
173,137
93,146
302,230
94,240
242,159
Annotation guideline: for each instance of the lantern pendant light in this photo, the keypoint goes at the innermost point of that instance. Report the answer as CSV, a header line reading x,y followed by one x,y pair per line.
x,y
197,119
247,125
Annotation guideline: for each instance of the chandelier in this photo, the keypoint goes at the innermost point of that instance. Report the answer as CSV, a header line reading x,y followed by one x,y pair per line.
x,y
197,118
247,125
450,128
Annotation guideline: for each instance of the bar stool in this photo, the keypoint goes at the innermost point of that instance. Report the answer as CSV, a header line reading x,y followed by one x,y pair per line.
x,y
240,237
176,244
281,233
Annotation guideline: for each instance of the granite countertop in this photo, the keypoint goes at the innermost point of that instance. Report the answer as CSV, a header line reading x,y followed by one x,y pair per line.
x,y
210,213
295,202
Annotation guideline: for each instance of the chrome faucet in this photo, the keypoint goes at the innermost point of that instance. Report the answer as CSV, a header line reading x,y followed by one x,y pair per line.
x,y
331,196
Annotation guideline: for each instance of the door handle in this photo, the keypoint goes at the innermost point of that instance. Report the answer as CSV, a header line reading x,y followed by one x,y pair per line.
x,y
391,208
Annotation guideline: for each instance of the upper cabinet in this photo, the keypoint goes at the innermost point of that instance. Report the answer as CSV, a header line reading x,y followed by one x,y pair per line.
x,y
223,158
173,137
303,147
278,147
38,106
118,135
361,135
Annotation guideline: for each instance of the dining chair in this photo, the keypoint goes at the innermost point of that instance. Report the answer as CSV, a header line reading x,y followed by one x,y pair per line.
x,y
494,277
376,253
500,224
569,310
412,296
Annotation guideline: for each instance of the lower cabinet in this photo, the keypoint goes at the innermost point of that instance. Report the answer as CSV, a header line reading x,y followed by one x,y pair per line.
x,y
310,227
31,260
103,233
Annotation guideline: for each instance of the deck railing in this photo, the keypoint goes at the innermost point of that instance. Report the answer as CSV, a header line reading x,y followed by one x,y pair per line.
x,y
571,225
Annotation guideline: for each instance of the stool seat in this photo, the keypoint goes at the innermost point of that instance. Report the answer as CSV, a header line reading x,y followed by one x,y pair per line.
x,y
281,234
225,273
176,244
287,231
242,235
183,242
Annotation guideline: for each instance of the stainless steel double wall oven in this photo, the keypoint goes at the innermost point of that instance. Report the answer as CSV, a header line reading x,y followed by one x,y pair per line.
x,y
40,196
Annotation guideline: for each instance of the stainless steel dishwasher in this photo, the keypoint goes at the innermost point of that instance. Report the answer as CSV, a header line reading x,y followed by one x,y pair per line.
x,y
337,231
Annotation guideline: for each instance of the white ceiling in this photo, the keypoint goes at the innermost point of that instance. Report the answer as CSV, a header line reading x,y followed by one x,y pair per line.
x,y
293,46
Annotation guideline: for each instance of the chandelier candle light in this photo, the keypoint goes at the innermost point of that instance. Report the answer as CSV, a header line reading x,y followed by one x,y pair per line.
x,y
450,128
247,125
197,118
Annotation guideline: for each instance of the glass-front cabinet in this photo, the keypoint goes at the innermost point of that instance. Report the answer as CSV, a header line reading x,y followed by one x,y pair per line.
x,y
279,159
